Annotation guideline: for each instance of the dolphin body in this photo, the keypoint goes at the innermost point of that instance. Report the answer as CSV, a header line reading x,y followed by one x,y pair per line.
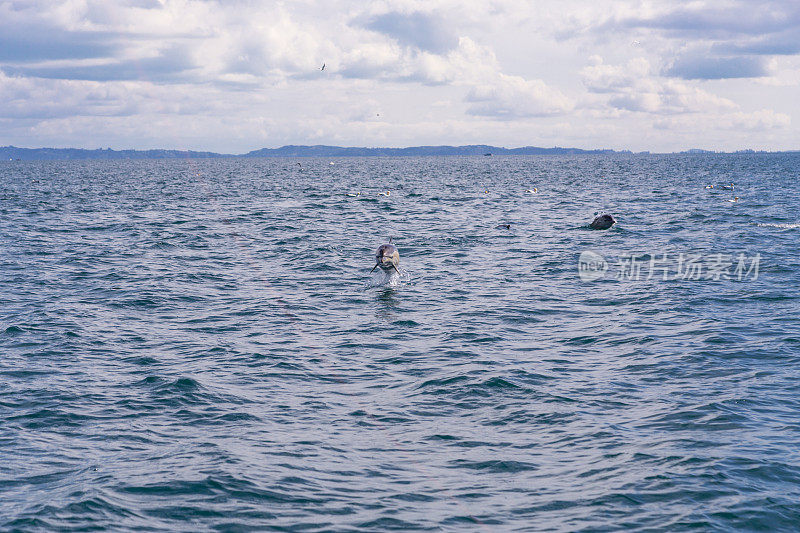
x,y
387,257
602,222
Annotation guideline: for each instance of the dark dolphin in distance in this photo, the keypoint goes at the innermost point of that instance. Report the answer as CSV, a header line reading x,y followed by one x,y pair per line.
x,y
387,257
603,221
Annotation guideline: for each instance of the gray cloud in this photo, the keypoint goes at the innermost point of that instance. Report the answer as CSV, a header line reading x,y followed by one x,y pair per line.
x,y
29,42
171,64
704,67
37,98
744,18
717,42
420,30
26,98
784,43
729,42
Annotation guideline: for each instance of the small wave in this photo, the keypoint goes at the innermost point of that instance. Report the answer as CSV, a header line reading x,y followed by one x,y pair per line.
x,y
494,466
781,226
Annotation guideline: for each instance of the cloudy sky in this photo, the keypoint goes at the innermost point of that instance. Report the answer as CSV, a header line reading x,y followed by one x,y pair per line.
x,y
237,75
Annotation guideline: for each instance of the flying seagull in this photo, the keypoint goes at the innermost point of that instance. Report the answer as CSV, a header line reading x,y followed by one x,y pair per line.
x,y
323,66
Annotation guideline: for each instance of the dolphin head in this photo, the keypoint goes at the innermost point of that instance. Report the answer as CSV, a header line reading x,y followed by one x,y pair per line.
x,y
387,257
602,221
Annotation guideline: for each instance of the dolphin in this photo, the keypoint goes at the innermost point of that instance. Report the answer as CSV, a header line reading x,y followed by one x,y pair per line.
x,y
602,222
387,257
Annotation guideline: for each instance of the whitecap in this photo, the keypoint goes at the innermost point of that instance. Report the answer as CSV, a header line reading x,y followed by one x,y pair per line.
x,y
781,226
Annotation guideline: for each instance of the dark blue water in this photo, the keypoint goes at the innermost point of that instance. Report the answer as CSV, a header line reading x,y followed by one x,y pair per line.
x,y
199,345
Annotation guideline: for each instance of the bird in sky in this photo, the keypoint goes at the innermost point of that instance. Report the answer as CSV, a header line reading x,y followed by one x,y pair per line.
x,y
323,66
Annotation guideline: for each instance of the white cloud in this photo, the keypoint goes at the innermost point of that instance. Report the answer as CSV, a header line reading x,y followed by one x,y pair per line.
x,y
633,87
757,121
511,97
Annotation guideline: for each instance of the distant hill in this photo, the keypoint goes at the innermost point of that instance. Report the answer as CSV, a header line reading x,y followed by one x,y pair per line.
x,y
13,152
475,149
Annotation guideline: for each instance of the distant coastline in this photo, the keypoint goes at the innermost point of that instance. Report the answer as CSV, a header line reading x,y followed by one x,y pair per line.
x,y
27,154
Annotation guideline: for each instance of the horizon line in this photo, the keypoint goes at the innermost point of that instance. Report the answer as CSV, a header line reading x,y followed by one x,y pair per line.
x,y
308,148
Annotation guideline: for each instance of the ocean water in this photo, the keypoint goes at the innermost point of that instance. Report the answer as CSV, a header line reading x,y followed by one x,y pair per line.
x,y
199,345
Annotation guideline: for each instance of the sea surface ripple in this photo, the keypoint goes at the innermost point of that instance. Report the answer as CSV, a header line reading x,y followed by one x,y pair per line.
x,y
198,345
